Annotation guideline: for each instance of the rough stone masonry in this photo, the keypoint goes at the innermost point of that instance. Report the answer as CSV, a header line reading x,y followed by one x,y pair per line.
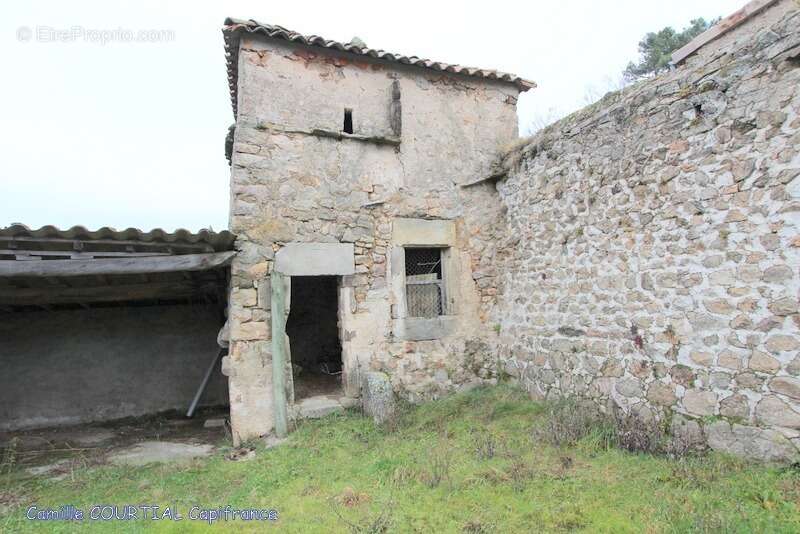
x,y
652,247
643,252
310,198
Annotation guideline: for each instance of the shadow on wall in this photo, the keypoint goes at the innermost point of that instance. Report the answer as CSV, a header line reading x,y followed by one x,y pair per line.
x,y
75,366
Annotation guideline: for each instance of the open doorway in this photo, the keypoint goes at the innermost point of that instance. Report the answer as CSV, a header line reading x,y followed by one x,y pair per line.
x,y
313,330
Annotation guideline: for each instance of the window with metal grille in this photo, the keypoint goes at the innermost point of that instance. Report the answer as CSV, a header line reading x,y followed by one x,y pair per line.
x,y
424,282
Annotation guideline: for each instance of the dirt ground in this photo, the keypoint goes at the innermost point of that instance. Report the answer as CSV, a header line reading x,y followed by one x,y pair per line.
x,y
311,384
57,452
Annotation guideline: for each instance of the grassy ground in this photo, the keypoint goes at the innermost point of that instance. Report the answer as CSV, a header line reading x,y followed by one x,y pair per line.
x,y
464,464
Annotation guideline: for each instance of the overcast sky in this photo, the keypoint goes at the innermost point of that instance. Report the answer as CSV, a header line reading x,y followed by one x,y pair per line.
x,y
132,134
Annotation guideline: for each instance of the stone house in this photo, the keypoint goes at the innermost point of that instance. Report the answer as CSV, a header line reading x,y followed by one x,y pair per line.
x,y
356,184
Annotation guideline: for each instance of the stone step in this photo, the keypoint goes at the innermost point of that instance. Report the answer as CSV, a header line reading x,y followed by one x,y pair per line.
x,y
316,407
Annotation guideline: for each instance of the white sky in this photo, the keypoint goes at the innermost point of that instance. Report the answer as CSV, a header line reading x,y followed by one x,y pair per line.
x,y
132,134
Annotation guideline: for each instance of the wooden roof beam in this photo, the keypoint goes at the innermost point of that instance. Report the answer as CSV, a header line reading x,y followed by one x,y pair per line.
x,y
45,296
107,266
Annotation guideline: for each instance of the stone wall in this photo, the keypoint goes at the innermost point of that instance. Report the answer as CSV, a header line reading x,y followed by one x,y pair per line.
x,y
293,183
653,246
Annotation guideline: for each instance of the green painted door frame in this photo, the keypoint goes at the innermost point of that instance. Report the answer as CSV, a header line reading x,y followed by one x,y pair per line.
x,y
278,312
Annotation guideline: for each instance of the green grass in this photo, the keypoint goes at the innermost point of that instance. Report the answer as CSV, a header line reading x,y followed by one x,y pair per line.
x,y
467,463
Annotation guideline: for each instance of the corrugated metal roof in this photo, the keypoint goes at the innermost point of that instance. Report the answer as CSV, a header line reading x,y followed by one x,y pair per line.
x,y
234,27
219,241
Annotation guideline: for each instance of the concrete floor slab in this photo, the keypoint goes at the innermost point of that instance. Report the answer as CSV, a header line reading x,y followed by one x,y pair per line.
x,y
149,452
91,437
48,469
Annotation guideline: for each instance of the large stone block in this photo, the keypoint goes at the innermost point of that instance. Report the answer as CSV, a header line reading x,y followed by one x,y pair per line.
x,y
780,343
786,385
773,411
316,259
424,232
661,394
750,442
763,362
252,331
377,396
423,328
699,402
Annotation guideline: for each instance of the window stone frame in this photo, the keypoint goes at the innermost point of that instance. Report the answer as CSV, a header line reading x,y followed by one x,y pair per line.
x,y
421,233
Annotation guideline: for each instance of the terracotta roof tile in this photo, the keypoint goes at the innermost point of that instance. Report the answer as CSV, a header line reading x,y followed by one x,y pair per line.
x,y
219,241
234,28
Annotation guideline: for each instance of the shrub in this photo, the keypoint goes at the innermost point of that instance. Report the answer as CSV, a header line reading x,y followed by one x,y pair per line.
x,y
9,456
485,446
371,522
638,434
438,468
476,526
568,421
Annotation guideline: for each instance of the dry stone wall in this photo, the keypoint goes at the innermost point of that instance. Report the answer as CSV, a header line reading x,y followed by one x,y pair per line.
x,y
653,247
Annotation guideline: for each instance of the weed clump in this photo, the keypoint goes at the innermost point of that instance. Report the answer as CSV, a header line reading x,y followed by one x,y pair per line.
x,y
8,459
485,446
567,421
438,468
638,434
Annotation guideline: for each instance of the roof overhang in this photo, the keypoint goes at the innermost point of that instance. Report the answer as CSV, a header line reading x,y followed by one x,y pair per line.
x,y
48,267
233,29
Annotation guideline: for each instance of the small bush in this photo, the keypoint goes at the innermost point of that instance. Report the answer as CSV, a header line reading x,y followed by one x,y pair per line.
x,y
350,497
367,523
476,526
637,434
9,456
520,474
438,469
399,419
485,446
568,421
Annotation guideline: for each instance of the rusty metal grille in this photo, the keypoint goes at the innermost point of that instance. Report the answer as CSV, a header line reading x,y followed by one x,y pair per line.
x,y
424,284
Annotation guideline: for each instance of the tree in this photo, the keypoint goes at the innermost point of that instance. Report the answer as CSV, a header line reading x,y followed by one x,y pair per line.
x,y
656,48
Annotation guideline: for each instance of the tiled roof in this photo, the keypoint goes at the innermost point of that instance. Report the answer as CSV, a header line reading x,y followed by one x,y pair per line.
x,y
219,241
234,28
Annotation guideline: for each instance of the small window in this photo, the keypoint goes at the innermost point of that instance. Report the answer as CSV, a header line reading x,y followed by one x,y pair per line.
x,y
424,282
348,121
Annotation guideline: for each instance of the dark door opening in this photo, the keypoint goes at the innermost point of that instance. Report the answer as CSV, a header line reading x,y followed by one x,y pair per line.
x,y
313,331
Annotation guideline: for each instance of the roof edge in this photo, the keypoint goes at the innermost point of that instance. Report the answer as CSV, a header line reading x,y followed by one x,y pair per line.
x,y
233,28
220,241
725,25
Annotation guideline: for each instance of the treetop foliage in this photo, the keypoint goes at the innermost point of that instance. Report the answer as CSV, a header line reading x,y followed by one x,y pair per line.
x,y
655,49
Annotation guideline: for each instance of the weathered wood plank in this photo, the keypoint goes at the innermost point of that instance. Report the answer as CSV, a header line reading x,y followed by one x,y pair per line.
x,y
277,312
138,265
78,255
13,242
109,293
